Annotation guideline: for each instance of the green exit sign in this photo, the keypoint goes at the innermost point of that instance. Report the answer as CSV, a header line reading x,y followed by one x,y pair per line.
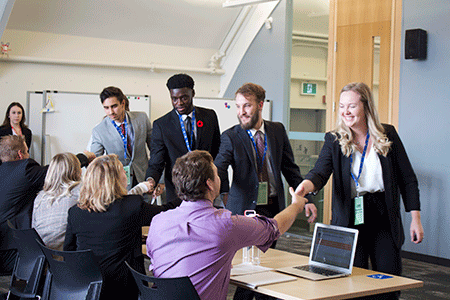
x,y
309,88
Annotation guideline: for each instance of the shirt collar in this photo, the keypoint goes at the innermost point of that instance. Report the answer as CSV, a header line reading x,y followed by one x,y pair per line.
x,y
262,129
197,203
185,116
126,118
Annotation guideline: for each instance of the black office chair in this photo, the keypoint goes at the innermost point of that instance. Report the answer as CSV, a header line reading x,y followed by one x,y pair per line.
x,y
72,275
164,288
28,270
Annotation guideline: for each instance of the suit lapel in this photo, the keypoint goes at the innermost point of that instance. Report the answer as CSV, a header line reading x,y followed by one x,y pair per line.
x,y
271,143
175,124
198,117
135,129
387,182
346,177
247,143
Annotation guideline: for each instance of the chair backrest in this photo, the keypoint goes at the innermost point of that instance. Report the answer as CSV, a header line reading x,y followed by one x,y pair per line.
x,y
164,288
29,264
71,275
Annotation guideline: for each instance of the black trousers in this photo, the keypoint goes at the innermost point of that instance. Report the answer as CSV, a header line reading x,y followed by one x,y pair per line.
x,y
375,242
269,211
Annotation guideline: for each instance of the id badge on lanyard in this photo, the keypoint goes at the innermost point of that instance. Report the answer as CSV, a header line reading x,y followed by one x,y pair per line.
x,y
359,210
127,171
263,191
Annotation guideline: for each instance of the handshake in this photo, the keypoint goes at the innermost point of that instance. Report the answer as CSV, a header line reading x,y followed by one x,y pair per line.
x,y
153,188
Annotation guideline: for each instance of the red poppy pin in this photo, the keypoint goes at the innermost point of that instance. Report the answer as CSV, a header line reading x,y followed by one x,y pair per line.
x,y
199,123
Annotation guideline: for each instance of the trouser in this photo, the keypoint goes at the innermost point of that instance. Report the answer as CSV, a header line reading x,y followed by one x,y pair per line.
x,y
375,242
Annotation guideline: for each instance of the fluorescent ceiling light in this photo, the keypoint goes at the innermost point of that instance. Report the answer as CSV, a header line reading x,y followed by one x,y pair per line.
x,y
230,3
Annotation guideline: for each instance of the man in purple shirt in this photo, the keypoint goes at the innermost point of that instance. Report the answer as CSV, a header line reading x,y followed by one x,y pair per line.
x,y
200,241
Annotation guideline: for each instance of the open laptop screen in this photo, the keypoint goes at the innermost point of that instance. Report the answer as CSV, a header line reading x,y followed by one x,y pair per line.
x,y
333,247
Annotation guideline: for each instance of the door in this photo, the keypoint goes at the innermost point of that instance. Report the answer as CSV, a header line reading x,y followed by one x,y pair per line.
x,y
364,41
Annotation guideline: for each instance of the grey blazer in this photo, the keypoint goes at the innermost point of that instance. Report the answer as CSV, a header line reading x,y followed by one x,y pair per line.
x,y
106,140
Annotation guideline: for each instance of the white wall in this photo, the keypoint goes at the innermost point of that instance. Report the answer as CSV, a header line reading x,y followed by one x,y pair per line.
x,y
424,122
17,78
308,62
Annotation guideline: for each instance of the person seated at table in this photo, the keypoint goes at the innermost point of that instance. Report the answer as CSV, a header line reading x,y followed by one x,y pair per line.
x,y
200,240
109,222
21,178
61,191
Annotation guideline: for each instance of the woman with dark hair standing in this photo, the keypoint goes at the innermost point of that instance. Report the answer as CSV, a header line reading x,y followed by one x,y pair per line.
x,y
14,123
370,170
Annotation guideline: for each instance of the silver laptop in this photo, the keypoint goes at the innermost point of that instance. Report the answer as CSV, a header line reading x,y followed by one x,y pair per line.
x,y
332,253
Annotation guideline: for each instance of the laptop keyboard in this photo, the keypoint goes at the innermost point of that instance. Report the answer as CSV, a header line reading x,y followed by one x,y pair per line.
x,y
317,270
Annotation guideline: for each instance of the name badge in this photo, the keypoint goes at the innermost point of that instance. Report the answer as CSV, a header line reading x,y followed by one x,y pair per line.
x,y
127,171
263,191
359,210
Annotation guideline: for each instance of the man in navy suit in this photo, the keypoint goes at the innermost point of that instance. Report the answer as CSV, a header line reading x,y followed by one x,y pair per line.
x,y
185,128
259,152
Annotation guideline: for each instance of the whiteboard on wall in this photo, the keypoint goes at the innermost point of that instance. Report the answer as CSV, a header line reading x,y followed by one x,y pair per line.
x,y
68,128
35,102
226,110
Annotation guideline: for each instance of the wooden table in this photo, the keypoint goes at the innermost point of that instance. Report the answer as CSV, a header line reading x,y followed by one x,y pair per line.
x,y
355,285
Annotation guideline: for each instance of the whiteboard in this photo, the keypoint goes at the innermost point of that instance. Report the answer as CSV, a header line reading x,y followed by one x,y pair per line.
x,y
226,110
35,102
68,128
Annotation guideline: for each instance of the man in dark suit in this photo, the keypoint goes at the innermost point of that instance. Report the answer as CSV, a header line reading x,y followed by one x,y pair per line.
x,y
259,152
183,129
21,178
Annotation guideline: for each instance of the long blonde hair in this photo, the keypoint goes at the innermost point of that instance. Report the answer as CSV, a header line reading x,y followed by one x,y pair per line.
x,y
344,134
63,175
101,184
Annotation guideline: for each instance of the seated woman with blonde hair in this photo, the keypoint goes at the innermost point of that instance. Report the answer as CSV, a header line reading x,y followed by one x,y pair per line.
x,y
109,222
60,192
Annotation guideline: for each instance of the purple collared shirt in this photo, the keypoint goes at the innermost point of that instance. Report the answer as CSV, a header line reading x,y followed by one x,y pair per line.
x,y
200,241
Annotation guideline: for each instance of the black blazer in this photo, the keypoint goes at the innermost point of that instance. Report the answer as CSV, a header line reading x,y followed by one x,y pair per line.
x,y
6,130
398,178
167,143
20,181
236,149
115,236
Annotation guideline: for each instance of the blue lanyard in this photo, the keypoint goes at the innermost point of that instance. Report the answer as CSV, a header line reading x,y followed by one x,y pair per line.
x,y
256,148
124,137
183,129
362,161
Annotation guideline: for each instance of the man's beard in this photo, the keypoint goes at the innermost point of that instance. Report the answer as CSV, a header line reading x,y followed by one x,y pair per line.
x,y
253,120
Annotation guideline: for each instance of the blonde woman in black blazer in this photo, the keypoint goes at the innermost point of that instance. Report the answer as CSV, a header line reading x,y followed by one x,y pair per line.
x,y
386,174
109,222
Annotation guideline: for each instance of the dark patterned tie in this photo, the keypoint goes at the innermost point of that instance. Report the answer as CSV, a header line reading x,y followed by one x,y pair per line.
x,y
129,150
262,168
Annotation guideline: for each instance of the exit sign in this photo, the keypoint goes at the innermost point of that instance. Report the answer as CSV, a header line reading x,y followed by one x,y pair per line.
x,y
309,88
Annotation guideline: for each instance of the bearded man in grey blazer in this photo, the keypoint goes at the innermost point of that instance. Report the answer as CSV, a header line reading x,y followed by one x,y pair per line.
x,y
124,133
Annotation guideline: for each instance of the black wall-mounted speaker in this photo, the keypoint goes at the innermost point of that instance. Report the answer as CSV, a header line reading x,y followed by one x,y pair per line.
x,y
415,44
